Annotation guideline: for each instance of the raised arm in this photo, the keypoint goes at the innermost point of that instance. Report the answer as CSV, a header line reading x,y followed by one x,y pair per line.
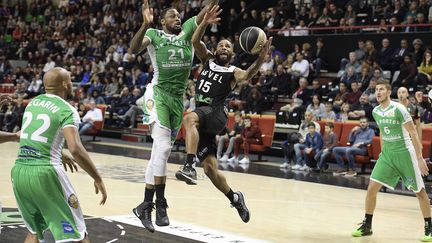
x,y
210,17
201,14
241,75
139,43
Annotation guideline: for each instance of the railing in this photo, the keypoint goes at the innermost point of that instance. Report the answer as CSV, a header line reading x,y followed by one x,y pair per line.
x,y
342,29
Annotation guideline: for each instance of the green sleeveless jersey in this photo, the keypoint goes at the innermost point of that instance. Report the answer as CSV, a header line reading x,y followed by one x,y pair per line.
x,y
171,57
42,139
390,122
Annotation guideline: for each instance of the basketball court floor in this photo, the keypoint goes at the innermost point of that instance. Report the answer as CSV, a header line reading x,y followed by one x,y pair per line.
x,y
285,206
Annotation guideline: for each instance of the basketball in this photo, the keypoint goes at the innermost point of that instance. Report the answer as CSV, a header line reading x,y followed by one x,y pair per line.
x,y
252,40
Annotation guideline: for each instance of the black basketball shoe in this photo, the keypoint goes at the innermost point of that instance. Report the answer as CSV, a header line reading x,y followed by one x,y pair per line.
x,y
161,212
143,212
240,205
364,230
187,174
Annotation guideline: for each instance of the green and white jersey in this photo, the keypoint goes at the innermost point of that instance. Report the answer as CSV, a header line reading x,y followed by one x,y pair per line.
x,y
171,57
390,122
42,139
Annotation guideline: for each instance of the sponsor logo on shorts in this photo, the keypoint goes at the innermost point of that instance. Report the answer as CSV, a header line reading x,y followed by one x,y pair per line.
x,y
67,227
73,201
410,181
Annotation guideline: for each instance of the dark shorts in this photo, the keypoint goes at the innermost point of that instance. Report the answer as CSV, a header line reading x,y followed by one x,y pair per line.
x,y
212,120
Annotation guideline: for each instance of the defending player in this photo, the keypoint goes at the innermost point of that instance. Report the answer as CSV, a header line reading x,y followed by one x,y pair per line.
x,y
400,158
216,81
44,194
171,53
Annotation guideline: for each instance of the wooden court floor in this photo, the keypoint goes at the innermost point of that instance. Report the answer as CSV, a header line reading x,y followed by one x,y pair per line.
x,y
282,210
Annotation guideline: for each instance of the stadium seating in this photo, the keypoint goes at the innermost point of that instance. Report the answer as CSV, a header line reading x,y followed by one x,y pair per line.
x,y
98,125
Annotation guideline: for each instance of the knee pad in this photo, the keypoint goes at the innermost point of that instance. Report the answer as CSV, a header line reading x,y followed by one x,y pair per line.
x,y
162,149
149,176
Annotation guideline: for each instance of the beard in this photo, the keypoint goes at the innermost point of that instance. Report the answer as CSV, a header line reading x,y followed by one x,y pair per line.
x,y
222,61
174,30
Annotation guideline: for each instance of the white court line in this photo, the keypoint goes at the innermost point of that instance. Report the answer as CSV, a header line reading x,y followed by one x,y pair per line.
x,y
189,231
121,227
111,241
123,232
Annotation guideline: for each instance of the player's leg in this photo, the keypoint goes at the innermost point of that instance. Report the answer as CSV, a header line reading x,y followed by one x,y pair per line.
x,y
31,238
191,123
144,210
383,174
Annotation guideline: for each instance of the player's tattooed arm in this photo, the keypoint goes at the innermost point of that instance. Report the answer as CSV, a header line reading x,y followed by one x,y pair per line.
x,y
211,16
139,43
241,75
209,5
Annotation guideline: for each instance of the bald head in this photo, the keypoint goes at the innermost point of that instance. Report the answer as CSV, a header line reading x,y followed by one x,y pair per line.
x,y
402,93
57,81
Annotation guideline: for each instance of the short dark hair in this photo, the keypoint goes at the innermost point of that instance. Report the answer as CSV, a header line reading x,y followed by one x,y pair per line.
x,y
364,118
164,12
247,118
385,83
330,124
311,124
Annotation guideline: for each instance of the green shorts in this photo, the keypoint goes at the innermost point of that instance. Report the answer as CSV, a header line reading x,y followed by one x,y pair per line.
x,y
393,166
163,109
46,200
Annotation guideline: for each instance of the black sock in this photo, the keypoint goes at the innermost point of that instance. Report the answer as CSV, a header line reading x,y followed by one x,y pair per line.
x,y
148,195
428,222
368,218
190,159
160,191
230,195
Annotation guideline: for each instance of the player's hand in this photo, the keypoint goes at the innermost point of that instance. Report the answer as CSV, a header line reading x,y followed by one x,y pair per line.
x,y
5,99
100,187
211,15
17,136
147,13
70,162
424,169
266,47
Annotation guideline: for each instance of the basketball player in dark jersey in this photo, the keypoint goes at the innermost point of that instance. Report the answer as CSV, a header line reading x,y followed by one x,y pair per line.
x,y
216,81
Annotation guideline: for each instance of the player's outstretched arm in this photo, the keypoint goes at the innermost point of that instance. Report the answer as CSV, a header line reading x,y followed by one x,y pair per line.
x,y
9,137
410,127
241,75
201,14
211,16
139,43
83,159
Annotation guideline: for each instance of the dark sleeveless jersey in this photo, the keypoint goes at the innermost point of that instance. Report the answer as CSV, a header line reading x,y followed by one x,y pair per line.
x,y
213,84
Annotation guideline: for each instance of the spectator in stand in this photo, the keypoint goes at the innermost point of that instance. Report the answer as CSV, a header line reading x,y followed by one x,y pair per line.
x,y
371,53
418,51
319,58
316,107
317,89
364,78
287,64
280,82
13,116
313,16
343,116
394,28
267,64
351,62
341,96
96,85
231,137
239,102
349,13
398,12
335,15
313,143
349,77
255,102
120,105
408,72
421,20
408,25
329,142
300,30
425,69
358,140
384,55
299,98
97,97
404,99
361,50
329,114
423,8
300,68
251,134
286,29
274,22
354,95
399,55
93,115
370,92
49,64
136,109
294,138
34,89
362,109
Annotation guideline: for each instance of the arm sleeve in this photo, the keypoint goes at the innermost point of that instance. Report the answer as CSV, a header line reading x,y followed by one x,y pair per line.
x,y
403,114
69,117
189,27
